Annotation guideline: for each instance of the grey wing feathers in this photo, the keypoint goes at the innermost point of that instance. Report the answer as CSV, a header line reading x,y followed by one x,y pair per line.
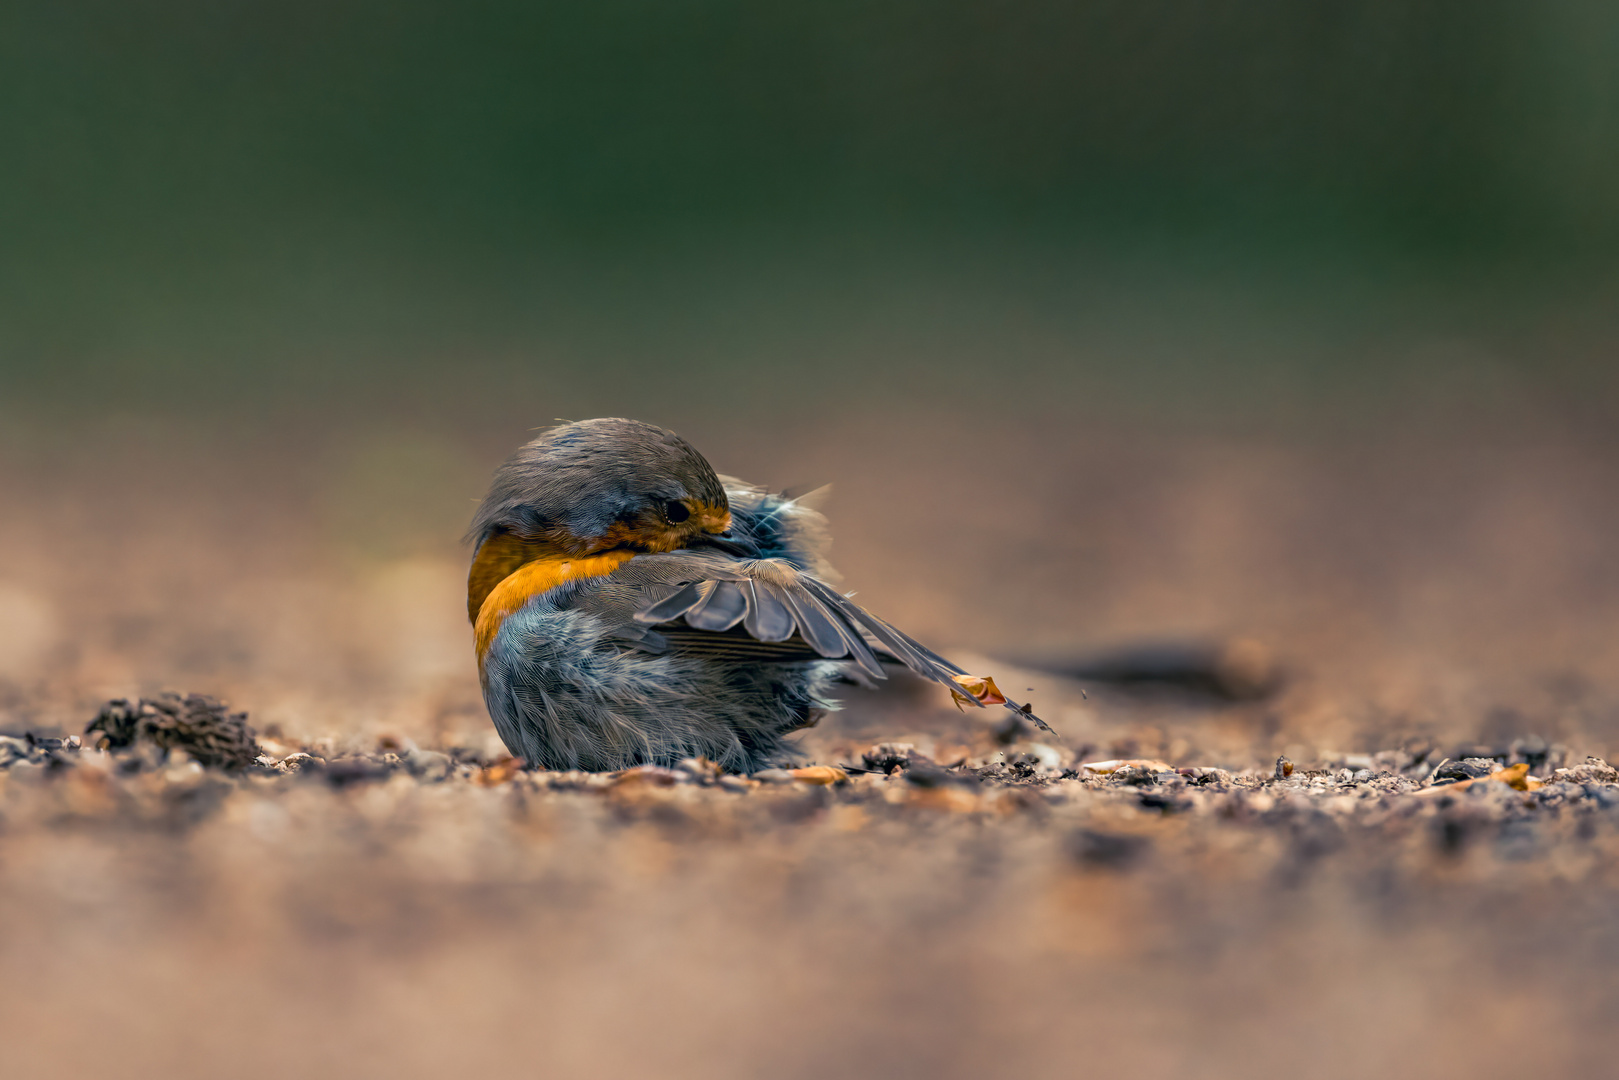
x,y
768,617
723,606
769,613
773,601
673,606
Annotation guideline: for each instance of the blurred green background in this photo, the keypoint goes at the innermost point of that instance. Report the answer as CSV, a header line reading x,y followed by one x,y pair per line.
x,y
496,212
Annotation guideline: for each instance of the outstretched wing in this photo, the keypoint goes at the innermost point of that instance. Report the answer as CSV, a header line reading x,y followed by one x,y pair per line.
x,y
775,604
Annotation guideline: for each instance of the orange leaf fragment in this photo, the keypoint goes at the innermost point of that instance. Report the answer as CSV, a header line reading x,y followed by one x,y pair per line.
x,y
498,773
979,688
819,774
1517,777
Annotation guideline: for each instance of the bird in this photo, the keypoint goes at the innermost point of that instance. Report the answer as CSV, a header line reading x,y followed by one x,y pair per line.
x,y
630,606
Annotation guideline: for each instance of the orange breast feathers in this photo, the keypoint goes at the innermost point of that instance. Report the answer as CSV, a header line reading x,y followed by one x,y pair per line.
x,y
530,579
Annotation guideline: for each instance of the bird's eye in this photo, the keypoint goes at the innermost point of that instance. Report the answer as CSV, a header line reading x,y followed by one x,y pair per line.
x,y
676,512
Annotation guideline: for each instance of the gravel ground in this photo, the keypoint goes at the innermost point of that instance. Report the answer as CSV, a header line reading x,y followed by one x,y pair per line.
x,y
1421,623
399,910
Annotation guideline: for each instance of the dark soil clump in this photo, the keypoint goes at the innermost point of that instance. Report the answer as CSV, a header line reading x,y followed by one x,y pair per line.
x,y
195,723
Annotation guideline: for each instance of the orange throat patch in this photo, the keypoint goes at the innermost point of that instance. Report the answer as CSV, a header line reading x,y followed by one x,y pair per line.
x,y
526,580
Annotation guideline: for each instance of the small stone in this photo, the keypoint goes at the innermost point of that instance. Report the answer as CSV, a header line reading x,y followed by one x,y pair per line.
x,y
1038,758
1135,776
887,757
294,764
428,766
1466,769
773,776
1592,771
1200,776
1284,768
699,769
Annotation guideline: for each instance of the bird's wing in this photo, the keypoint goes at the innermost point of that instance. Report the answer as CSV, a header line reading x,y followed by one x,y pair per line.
x,y
774,604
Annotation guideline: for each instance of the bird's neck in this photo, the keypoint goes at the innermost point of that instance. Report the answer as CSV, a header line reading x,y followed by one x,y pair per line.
x,y
534,578
500,556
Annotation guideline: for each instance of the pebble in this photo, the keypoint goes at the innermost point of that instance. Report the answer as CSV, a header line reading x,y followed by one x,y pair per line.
x,y
1039,756
1466,769
1135,776
429,766
299,762
773,776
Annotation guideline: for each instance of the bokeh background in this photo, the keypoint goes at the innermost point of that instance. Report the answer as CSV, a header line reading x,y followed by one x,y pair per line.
x,y
1109,323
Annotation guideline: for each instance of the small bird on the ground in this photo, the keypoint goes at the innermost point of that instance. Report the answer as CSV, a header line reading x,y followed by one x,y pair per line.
x,y
630,606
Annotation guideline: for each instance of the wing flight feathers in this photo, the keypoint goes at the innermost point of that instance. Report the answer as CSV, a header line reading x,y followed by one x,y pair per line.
x,y
673,606
816,626
723,607
772,601
768,617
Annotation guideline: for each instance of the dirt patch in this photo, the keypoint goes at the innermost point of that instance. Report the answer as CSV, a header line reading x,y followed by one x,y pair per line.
x,y
1016,908
194,724
1430,889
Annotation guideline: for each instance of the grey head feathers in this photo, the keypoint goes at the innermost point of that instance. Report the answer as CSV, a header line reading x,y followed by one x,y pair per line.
x,y
582,477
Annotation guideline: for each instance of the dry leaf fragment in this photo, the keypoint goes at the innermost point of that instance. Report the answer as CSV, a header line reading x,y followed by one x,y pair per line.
x,y
1517,777
819,774
979,688
498,773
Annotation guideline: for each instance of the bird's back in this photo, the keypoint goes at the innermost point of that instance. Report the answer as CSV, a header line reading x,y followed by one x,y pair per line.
x,y
781,527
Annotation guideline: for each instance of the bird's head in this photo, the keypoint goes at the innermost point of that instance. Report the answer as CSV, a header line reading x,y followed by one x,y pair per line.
x,y
602,485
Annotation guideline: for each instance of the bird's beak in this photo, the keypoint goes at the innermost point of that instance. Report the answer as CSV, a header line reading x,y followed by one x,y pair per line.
x,y
727,542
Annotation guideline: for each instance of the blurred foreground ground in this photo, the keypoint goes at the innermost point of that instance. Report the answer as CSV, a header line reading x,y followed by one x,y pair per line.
x,y
1431,584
